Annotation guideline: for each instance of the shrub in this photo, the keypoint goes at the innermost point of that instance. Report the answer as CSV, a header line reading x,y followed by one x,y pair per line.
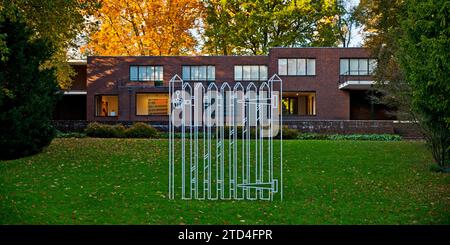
x,y
312,136
239,132
119,131
141,130
70,135
373,137
137,130
289,133
28,93
96,130
105,131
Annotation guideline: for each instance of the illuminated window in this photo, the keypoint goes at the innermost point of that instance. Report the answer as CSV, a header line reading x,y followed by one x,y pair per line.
x,y
106,105
301,104
152,104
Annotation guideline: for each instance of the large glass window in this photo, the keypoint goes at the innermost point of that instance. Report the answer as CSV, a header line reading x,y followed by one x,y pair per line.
x,y
290,105
250,73
357,67
199,73
146,73
152,104
301,104
106,105
297,67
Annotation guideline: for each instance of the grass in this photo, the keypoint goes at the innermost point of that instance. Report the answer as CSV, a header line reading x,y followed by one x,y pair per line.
x,y
124,181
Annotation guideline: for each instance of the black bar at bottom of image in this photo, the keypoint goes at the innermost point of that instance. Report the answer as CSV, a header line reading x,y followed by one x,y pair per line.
x,y
218,233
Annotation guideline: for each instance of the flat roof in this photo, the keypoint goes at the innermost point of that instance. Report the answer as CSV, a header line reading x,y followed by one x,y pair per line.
x,y
77,62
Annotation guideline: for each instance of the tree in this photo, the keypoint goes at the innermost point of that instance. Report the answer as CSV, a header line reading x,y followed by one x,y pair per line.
x,y
254,26
423,55
410,40
148,27
380,21
59,21
27,92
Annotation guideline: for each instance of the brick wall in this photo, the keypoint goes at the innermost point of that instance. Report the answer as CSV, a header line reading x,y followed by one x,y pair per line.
x,y
405,129
408,130
342,126
79,80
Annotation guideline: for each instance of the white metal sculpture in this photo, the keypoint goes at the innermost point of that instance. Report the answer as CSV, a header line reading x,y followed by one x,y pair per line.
x,y
221,140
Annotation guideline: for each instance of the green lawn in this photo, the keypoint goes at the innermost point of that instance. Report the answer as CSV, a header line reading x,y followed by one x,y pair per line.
x,y
124,181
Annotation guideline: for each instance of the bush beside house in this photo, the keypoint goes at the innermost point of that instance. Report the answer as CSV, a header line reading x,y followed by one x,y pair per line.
x,y
137,130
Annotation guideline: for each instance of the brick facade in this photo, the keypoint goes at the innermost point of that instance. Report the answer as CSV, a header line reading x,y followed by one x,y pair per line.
x,y
110,76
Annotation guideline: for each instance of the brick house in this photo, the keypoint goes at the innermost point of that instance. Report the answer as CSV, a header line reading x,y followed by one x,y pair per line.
x,y
318,83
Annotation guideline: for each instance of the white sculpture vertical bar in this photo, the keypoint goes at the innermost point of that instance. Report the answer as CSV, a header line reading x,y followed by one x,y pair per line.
x,y
199,108
264,103
276,127
171,142
175,95
239,118
186,121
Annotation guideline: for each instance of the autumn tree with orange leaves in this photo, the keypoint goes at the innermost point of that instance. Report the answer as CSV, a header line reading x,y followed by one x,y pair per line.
x,y
147,27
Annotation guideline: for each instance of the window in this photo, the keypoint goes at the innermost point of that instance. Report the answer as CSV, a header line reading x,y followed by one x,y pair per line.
x,y
146,73
301,104
250,73
363,67
292,67
311,67
282,66
237,72
134,73
354,67
290,105
263,73
357,67
199,73
344,67
106,105
301,67
297,67
152,104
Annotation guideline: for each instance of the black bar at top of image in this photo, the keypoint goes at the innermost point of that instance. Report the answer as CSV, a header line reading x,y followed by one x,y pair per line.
x,y
172,233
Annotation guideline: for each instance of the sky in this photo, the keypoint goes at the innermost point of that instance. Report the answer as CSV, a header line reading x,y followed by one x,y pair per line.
x,y
356,39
